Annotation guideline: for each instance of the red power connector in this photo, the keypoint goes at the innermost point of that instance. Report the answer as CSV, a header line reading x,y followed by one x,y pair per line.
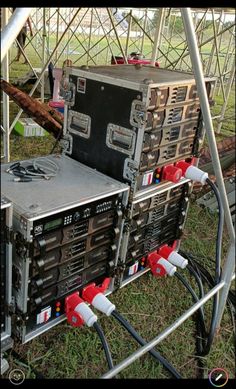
x,y
174,172
91,290
171,173
172,256
77,312
192,172
159,265
94,295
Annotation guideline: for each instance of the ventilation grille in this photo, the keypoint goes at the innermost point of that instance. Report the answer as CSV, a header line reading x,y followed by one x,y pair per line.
x,y
175,115
159,199
178,94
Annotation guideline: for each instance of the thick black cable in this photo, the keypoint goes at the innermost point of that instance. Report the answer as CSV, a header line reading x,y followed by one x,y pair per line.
x,y
200,325
104,344
195,299
201,328
219,229
219,237
209,280
198,280
142,342
217,267
200,334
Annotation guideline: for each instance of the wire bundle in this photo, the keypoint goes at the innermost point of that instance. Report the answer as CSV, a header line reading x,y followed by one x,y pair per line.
x,y
204,339
41,168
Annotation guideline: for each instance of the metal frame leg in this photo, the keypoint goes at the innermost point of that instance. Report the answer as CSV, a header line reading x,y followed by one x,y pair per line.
x,y
5,75
12,29
157,38
227,93
197,67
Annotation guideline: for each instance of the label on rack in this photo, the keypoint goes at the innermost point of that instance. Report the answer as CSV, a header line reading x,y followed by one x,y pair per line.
x,y
44,315
133,269
147,178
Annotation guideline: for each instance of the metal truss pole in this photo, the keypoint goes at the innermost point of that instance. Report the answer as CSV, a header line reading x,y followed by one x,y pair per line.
x,y
150,345
117,36
57,33
197,67
226,277
157,38
223,15
217,53
128,33
12,29
212,54
5,102
144,27
43,52
104,31
227,93
90,34
228,51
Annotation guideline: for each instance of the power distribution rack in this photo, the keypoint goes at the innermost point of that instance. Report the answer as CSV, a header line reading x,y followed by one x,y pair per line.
x,y
132,122
67,233
6,278
154,219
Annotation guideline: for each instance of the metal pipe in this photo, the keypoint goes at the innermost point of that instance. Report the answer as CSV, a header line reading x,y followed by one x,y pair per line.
x,y
217,57
43,52
226,277
117,36
143,350
197,68
43,70
90,33
57,33
157,37
5,75
212,55
220,40
12,29
144,27
227,93
128,33
170,34
228,51
104,32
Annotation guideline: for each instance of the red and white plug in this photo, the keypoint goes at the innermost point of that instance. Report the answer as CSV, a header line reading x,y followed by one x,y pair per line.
x,y
94,295
172,256
165,261
78,312
184,169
